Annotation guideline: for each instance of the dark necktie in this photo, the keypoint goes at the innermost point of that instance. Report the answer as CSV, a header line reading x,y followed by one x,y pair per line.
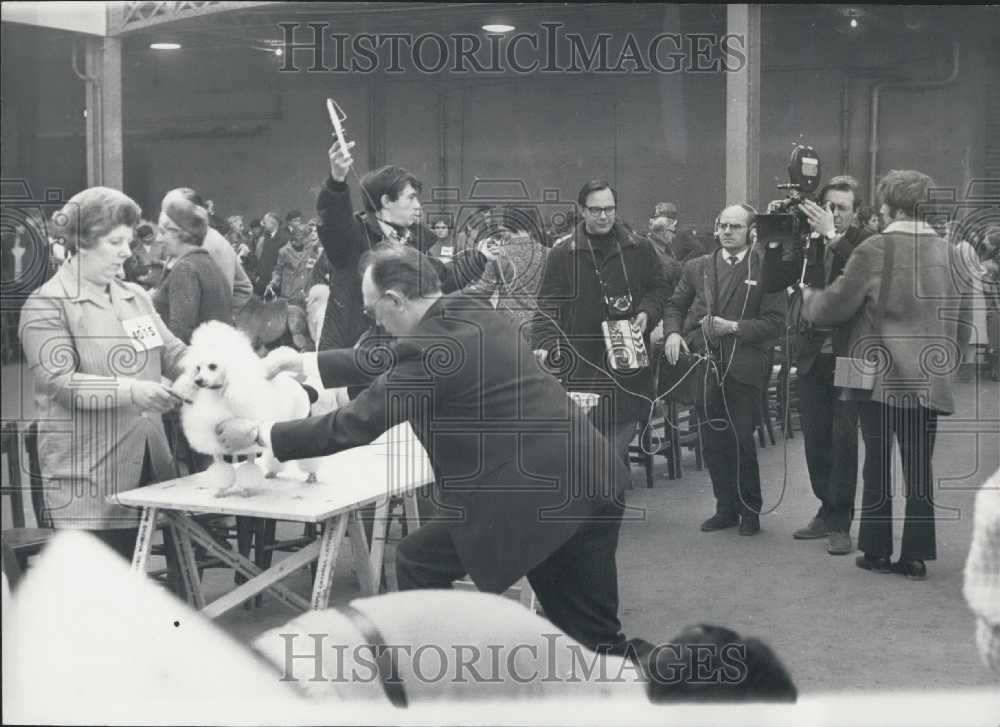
x,y
732,260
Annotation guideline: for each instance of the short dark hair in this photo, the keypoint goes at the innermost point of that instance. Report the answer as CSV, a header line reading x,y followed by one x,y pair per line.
x,y
146,229
594,185
904,190
292,214
389,180
865,214
842,183
191,196
403,269
742,670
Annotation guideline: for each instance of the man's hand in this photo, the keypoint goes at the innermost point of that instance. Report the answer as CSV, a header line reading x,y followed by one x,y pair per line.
x,y
340,160
487,246
820,218
716,327
673,347
281,359
541,355
237,434
641,320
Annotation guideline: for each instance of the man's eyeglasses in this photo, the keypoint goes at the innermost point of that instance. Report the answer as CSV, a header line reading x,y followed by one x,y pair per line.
x,y
734,226
596,211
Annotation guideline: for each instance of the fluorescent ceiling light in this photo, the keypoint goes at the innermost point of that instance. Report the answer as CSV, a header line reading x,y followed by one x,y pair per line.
x,y
165,46
498,28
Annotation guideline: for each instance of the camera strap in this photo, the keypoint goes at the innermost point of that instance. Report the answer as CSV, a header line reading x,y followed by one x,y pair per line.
x,y
609,308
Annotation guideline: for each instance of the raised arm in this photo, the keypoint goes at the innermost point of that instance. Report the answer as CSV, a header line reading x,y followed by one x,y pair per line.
x,y
338,231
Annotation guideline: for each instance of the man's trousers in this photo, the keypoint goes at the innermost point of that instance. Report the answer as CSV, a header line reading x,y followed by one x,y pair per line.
x,y
577,585
727,425
830,428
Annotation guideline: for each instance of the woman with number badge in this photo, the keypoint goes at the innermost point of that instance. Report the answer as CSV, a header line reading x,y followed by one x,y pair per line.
x,y
97,351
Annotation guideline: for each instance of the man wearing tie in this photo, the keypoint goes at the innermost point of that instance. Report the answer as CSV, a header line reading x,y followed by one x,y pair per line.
x,y
719,309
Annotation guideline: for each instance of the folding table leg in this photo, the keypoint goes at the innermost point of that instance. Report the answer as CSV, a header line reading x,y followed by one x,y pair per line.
x,y
187,566
380,532
411,510
359,547
329,544
144,541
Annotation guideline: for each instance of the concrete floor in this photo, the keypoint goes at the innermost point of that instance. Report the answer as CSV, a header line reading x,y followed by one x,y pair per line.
x,y
837,627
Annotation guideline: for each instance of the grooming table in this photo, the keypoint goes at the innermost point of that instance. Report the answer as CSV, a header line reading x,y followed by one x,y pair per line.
x,y
392,466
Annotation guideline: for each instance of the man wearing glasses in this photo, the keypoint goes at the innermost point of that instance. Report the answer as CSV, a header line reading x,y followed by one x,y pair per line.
x,y
829,424
720,310
600,272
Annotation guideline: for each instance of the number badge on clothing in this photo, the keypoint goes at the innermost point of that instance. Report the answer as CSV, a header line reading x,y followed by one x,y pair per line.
x,y
144,334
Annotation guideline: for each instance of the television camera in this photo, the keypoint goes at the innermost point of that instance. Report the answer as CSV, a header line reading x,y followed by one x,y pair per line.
x,y
785,230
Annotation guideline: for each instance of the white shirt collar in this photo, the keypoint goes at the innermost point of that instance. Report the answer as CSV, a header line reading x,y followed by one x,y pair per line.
x,y
739,256
913,227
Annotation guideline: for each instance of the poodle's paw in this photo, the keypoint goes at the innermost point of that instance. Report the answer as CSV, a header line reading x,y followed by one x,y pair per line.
x,y
249,477
222,473
270,475
234,489
311,478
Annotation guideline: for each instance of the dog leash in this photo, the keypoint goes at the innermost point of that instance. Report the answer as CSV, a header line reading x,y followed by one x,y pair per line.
x,y
385,659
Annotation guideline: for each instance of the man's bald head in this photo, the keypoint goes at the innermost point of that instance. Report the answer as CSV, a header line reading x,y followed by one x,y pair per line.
x,y
733,227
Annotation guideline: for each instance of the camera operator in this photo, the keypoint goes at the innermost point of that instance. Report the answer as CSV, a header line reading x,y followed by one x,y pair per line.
x,y
904,308
829,425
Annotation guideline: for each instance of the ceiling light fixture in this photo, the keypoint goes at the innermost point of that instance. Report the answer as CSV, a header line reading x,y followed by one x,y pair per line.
x,y
498,28
854,22
165,46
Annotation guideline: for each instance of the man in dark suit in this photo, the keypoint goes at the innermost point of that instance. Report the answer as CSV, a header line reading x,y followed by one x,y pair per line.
x,y
525,484
719,310
829,424
271,241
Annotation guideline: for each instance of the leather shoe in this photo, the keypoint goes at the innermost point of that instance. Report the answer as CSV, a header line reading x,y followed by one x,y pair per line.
x,y
915,570
876,563
839,543
749,524
719,522
815,530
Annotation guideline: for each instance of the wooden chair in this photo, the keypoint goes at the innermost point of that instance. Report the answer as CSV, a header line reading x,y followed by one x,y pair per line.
x,y
659,436
23,541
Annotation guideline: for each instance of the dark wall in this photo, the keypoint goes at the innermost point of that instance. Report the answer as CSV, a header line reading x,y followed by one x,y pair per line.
x,y
226,121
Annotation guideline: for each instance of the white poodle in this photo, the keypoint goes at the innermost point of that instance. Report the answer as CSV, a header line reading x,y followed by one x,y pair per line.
x,y
223,378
